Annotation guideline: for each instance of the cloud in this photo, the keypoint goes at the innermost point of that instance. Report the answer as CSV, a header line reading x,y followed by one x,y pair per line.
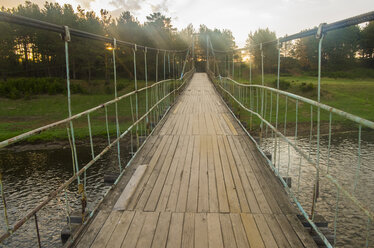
x,y
160,7
130,5
86,3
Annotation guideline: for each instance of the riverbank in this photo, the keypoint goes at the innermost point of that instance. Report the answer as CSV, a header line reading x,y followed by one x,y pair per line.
x,y
22,115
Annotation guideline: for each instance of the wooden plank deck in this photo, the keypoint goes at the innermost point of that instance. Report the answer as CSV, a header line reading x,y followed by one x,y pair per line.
x,y
205,185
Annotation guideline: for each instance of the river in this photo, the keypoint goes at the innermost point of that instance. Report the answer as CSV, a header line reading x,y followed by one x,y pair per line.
x,y
351,224
28,176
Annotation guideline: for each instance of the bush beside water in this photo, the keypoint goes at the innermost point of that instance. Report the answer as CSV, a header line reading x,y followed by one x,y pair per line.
x,y
306,87
283,84
25,87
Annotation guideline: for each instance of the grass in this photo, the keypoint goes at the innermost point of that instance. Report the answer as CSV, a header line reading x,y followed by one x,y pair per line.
x,y
22,115
352,96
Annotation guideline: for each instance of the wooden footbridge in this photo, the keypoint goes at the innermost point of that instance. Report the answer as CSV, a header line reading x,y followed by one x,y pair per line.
x,y
198,182
200,179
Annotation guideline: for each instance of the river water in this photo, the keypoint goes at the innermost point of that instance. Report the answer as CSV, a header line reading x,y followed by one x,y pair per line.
x,y
28,176
351,224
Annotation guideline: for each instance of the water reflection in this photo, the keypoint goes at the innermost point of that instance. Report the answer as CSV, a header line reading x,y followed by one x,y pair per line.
x,y
29,176
342,165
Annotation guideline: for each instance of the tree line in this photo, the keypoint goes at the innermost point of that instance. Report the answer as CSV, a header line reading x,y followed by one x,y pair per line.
x,y
342,49
29,52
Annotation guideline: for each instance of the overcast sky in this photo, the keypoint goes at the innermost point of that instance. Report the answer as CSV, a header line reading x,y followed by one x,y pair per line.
x,y
240,16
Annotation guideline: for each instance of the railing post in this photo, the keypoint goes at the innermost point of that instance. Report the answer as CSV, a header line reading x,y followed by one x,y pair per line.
x,y
66,38
233,66
146,85
207,53
251,95
277,107
116,104
319,36
157,87
262,90
136,95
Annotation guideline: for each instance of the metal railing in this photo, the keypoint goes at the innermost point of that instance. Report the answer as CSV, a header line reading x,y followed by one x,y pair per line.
x,y
269,110
158,98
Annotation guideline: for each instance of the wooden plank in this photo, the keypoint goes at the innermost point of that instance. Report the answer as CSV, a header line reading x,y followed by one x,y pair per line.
x,y
238,154
223,124
121,229
227,232
148,172
289,233
209,124
277,231
152,177
147,148
216,124
130,188
162,230
176,108
173,197
148,230
274,192
184,130
253,234
265,232
134,231
175,230
179,125
201,230
183,191
93,229
304,237
188,230
239,232
106,231
203,198
195,124
230,187
229,124
257,189
236,178
213,198
194,179
202,124
159,184
221,187
178,157
214,231
169,123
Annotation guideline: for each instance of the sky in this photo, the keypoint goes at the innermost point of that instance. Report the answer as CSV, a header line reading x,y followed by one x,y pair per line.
x,y
240,16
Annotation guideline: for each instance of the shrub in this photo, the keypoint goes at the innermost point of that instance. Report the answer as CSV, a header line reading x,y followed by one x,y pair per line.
x,y
304,87
26,87
22,87
120,86
283,84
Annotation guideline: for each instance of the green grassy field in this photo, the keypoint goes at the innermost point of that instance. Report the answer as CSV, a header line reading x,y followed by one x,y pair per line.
x,y
352,96
21,115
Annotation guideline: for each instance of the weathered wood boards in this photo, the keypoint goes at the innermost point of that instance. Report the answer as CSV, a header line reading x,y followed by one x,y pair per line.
x,y
205,185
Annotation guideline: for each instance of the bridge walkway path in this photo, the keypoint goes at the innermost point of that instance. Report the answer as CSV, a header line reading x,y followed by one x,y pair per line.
x,y
202,183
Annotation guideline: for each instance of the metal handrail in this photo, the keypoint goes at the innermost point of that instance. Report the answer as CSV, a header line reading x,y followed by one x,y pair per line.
x,y
328,108
330,177
54,193
39,130
366,17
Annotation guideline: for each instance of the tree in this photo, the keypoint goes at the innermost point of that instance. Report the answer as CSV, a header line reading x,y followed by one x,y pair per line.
x,y
263,36
367,41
